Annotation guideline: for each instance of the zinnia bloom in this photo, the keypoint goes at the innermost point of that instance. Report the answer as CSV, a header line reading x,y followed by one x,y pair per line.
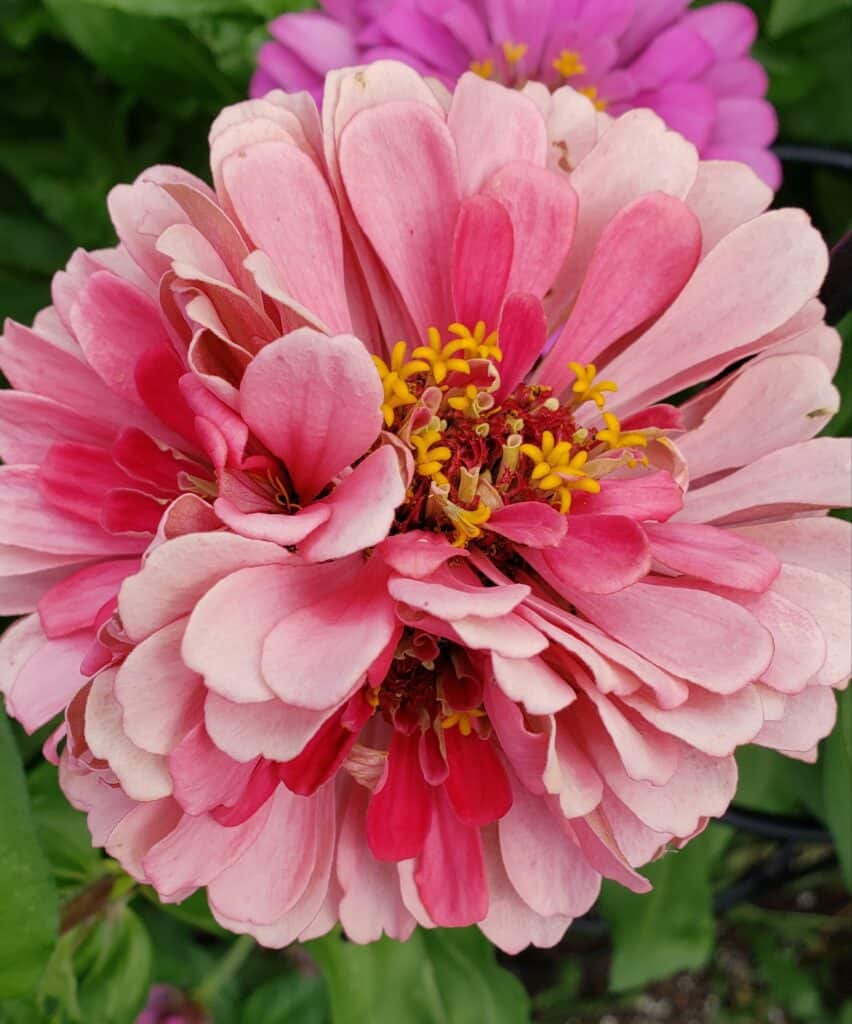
x,y
447,613
690,66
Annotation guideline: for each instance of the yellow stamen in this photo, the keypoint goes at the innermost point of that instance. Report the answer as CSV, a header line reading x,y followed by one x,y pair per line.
x,y
591,93
558,471
614,438
463,719
513,52
429,458
483,68
441,358
394,379
586,388
569,64
478,342
464,401
467,523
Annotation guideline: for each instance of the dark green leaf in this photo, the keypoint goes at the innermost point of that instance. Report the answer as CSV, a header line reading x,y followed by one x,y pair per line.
x,y
439,977
155,58
787,15
28,901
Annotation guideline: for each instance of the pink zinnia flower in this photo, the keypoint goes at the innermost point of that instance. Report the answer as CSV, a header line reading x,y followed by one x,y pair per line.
x,y
691,66
453,614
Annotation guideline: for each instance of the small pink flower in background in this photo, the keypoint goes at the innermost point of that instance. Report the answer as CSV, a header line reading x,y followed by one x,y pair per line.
x,y
167,1005
691,66
446,612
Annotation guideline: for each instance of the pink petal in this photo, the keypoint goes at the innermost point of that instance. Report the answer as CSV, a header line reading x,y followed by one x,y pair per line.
x,y
508,635
477,786
644,257
316,655
284,204
28,520
450,873
161,698
808,718
40,676
751,261
532,523
204,777
544,865
713,554
289,840
407,202
725,194
331,416
600,554
361,508
109,308
75,602
177,574
693,634
482,258
492,126
400,811
767,488
31,424
543,210
533,683
771,404
821,543
417,554
267,729
523,334
275,527
143,776
455,601
654,496
229,625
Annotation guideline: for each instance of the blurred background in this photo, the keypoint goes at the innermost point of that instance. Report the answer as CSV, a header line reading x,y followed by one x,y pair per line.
x,y
751,924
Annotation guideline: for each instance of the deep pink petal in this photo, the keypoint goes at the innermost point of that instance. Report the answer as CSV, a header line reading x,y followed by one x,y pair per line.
x,y
400,811
477,785
482,258
713,554
600,554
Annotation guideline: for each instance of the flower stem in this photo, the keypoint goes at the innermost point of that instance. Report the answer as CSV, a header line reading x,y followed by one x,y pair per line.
x,y
224,970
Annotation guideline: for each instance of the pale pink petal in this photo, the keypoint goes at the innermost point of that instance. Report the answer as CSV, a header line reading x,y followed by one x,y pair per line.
x,y
808,718
75,602
456,601
361,509
331,416
712,554
316,655
693,634
491,127
275,527
143,776
821,543
725,194
417,178
767,487
161,698
266,729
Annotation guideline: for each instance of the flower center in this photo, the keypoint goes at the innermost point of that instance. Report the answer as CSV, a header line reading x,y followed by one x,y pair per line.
x,y
474,454
507,66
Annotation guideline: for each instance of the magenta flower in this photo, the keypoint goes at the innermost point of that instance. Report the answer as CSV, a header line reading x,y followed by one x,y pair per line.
x,y
168,1005
692,67
448,613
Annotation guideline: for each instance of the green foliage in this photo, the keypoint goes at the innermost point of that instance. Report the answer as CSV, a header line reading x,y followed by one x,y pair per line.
x,y
438,977
836,769
787,15
672,928
28,907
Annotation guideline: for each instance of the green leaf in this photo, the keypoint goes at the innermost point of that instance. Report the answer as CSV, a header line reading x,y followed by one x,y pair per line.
x,y
28,904
155,58
837,783
671,928
775,784
291,997
62,831
787,15
101,970
194,911
438,977
789,983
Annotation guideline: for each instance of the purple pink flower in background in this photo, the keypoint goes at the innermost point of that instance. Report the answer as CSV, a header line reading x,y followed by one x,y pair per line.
x,y
691,66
